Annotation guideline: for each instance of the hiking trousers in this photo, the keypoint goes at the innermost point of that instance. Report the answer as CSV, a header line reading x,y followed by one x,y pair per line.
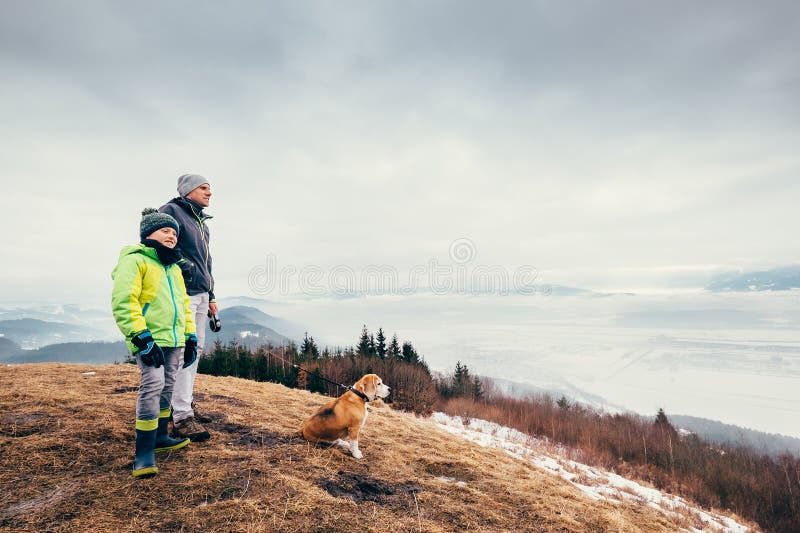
x,y
155,391
182,395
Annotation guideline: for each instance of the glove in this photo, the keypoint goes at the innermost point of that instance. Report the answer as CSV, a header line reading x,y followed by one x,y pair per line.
x,y
187,269
190,351
149,352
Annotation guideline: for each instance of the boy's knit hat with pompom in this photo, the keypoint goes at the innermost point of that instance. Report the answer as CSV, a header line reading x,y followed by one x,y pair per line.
x,y
153,220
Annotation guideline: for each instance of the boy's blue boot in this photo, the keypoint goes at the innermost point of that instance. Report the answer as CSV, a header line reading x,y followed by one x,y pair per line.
x,y
165,443
144,465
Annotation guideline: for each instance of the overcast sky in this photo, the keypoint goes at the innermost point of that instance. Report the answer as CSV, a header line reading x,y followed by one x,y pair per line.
x,y
608,144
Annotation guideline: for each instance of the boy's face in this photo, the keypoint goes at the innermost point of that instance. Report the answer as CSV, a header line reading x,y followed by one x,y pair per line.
x,y
201,195
166,236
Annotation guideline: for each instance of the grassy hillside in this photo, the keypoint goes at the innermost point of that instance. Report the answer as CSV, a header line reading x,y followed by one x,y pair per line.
x,y
66,446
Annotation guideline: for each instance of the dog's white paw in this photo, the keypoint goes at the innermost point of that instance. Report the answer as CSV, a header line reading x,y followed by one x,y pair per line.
x,y
357,454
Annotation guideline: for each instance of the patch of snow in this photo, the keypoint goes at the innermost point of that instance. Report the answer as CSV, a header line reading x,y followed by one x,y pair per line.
x,y
596,483
88,373
245,334
445,479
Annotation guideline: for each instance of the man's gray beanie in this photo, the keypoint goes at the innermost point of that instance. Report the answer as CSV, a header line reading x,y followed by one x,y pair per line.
x,y
189,182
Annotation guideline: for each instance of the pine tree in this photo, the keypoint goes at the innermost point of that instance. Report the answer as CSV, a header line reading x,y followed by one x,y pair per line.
x,y
290,351
372,350
461,380
477,389
380,344
309,350
363,343
666,435
409,353
394,348
563,403
244,363
260,366
663,425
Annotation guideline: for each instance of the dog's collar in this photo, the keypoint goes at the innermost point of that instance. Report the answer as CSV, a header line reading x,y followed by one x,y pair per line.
x,y
358,393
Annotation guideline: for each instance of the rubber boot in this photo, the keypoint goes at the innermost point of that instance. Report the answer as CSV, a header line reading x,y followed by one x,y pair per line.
x,y
165,443
144,465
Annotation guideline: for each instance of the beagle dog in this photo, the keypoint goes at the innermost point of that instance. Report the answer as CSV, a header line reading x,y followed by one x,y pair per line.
x,y
339,421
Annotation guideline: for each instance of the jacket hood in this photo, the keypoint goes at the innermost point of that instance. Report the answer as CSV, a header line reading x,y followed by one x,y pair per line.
x,y
138,249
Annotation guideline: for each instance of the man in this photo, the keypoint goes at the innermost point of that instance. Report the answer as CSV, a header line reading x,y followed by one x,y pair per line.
x,y
193,242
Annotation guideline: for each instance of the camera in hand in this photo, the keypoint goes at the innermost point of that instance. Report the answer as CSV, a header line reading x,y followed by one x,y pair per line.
x,y
213,322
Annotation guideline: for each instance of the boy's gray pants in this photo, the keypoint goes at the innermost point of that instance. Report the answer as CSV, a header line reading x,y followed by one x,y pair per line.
x,y
155,391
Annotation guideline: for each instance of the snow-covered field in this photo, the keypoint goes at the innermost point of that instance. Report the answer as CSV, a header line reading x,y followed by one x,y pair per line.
x,y
594,482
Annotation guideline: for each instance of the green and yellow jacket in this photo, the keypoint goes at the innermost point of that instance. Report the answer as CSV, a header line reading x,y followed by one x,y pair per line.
x,y
148,295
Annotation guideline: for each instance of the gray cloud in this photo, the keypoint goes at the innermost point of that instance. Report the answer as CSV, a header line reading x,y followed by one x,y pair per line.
x,y
613,134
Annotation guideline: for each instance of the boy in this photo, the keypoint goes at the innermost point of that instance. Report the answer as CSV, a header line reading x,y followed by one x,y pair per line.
x,y
151,309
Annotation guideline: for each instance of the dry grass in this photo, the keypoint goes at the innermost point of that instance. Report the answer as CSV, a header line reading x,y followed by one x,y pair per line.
x,y
66,448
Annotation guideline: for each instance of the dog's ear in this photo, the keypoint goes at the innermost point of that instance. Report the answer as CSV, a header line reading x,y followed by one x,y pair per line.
x,y
360,386
372,386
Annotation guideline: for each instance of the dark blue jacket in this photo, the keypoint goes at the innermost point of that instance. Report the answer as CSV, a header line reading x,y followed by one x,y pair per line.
x,y
193,244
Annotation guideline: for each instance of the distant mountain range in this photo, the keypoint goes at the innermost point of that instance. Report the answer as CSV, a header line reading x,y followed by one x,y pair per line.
x,y
32,332
95,353
71,314
721,433
36,326
84,336
247,309
250,327
776,279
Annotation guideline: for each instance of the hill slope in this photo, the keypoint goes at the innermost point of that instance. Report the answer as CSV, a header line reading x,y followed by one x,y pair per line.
x,y
66,445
